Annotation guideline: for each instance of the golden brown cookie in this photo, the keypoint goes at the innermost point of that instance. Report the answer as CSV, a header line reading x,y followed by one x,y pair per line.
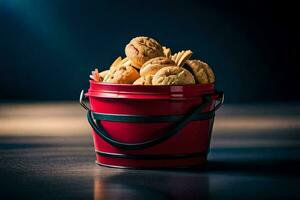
x,y
116,62
181,57
103,74
173,75
141,49
155,64
119,61
144,80
167,52
122,74
203,73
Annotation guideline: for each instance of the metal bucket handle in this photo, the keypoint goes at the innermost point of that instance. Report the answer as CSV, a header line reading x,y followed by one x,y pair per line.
x,y
98,128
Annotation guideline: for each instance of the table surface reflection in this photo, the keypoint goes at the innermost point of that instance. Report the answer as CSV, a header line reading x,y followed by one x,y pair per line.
x,y
244,163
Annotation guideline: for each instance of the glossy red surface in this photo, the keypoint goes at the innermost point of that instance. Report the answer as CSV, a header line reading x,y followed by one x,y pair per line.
x,y
151,100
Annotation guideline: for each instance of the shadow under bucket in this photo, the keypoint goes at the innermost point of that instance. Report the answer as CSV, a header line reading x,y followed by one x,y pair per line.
x,y
137,126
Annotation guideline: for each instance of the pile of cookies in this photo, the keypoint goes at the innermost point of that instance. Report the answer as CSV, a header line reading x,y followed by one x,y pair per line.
x,y
149,63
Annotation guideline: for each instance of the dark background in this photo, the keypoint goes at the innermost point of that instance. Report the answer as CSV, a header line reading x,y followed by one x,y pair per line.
x,y
48,48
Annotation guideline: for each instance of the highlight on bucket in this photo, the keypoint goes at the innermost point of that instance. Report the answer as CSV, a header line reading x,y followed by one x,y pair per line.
x,y
152,109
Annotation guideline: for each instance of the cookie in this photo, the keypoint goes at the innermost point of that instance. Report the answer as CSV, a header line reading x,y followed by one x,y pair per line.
x,y
144,80
153,65
141,49
181,57
119,61
203,73
173,75
167,52
103,74
116,62
122,74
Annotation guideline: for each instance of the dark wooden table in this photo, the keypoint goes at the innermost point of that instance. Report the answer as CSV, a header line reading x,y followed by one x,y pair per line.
x,y
255,154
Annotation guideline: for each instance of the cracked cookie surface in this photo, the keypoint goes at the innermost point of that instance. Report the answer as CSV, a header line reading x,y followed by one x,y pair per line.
x,y
202,72
141,49
122,74
144,80
173,75
153,65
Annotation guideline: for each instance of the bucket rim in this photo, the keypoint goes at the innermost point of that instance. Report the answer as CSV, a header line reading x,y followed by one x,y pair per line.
x,y
149,86
129,91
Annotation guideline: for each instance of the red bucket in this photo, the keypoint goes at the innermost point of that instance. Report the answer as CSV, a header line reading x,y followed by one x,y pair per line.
x,y
136,126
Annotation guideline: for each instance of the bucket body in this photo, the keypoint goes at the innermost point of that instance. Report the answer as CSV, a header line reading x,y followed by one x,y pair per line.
x,y
132,117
